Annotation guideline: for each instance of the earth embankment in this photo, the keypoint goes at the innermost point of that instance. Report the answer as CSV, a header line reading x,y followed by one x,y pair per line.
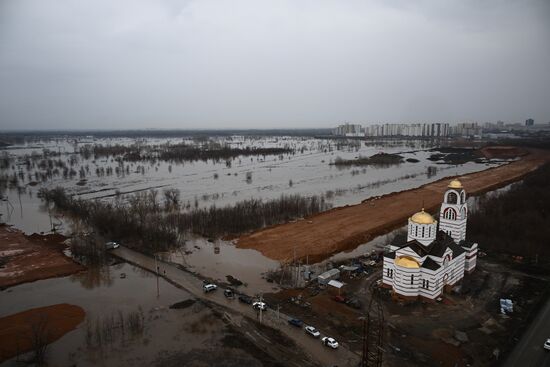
x,y
28,258
344,228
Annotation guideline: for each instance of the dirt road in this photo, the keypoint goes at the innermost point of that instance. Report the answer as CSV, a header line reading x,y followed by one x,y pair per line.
x,y
345,228
311,347
529,351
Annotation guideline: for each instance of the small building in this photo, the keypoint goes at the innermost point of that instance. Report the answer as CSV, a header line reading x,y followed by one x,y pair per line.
x,y
329,275
335,287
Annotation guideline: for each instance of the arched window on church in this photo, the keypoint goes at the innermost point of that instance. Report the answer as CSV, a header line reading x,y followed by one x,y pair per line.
x,y
422,232
416,231
452,198
463,197
449,213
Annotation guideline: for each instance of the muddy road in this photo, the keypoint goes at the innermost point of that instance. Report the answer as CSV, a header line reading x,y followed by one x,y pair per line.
x,y
312,348
344,228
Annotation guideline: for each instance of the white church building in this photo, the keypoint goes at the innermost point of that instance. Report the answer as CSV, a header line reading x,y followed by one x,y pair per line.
x,y
432,259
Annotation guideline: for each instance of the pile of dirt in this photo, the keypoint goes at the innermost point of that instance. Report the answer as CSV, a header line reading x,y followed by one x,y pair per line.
x,y
49,323
30,258
344,228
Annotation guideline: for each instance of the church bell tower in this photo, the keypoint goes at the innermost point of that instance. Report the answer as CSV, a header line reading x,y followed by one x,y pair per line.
x,y
454,212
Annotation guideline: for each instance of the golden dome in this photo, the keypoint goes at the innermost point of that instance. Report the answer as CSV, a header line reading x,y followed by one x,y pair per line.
x,y
422,218
455,184
407,262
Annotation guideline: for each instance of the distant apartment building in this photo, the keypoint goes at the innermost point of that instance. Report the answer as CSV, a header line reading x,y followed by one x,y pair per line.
x,y
349,130
466,129
421,130
408,130
529,122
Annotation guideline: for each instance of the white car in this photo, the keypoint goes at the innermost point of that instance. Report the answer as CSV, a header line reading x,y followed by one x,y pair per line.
x,y
330,342
312,331
547,344
112,245
209,287
259,306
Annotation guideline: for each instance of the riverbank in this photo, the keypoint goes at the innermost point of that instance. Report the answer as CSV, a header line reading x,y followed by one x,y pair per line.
x,y
340,229
29,258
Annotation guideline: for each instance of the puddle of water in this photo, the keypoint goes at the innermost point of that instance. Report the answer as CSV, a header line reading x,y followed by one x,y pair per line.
x,y
219,259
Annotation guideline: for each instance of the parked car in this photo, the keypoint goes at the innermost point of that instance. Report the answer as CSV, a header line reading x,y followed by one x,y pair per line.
x,y
245,299
259,306
547,344
354,303
228,293
112,245
209,287
312,331
296,322
339,299
330,342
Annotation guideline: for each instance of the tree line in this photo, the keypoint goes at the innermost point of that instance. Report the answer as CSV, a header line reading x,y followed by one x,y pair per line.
x,y
151,223
517,221
379,159
177,152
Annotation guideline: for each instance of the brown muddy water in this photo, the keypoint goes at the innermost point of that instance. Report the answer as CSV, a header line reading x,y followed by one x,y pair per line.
x,y
102,293
218,259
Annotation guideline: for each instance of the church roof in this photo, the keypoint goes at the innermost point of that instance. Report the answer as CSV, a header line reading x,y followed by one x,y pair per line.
x,y
407,262
430,264
437,248
467,244
455,184
417,247
422,218
457,250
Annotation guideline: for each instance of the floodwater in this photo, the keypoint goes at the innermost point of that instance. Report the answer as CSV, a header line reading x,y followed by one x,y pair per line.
x,y
101,292
205,183
307,171
218,259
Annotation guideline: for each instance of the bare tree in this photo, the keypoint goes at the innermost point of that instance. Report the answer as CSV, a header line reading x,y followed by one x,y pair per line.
x,y
39,335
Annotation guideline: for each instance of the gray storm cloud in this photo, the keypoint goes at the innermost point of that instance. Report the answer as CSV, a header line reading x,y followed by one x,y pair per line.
x,y
262,64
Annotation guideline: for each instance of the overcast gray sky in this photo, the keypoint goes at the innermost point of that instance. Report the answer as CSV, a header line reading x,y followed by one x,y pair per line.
x,y
105,64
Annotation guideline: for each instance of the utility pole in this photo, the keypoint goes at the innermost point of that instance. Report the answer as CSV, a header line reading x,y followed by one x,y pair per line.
x,y
373,337
294,265
261,308
157,271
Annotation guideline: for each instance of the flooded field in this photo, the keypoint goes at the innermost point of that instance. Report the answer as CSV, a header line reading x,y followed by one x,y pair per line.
x,y
305,169
102,293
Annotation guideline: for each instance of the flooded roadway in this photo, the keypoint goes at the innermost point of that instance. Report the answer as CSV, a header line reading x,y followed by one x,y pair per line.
x,y
341,357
